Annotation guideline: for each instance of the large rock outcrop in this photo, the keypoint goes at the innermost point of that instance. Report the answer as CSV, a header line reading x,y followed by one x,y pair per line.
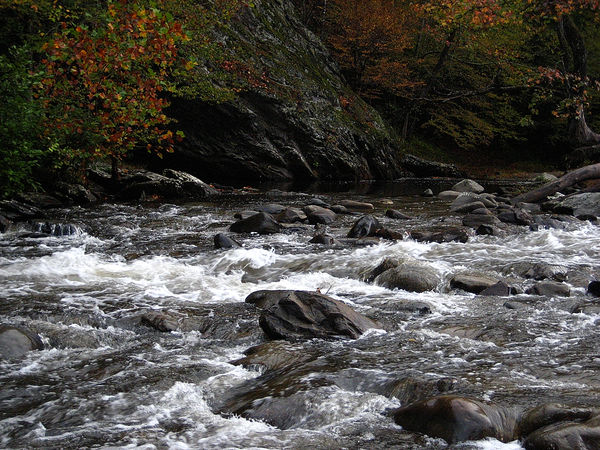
x,y
305,124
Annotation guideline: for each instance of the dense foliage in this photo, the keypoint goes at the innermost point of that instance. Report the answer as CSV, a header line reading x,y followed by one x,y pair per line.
x,y
83,81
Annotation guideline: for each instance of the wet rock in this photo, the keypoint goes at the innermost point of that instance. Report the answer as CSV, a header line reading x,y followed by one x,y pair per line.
x,y
567,436
55,229
172,184
427,193
4,224
468,198
318,214
40,200
457,419
409,276
448,195
261,223
500,289
388,263
487,230
159,321
74,193
584,204
538,270
468,207
291,215
315,201
272,208
221,240
516,217
551,413
543,222
393,214
550,289
16,211
424,168
386,233
357,206
365,226
409,390
448,234
594,288
591,307
241,215
339,209
323,239
476,220
274,355
301,315
468,186
15,342
472,283
190,185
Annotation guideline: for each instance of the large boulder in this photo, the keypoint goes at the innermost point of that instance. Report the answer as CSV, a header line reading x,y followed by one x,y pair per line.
x,y
457,419
424,168
171,184
566,436
302,315
468,186
365,226
318,214
261,223
410,276
584,204
439,235
16,341
472,283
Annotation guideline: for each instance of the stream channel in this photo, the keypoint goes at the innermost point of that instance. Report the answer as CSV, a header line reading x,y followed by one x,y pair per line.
x,y
106,380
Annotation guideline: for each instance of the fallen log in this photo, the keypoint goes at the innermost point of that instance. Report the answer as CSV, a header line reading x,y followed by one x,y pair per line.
x,y
583,173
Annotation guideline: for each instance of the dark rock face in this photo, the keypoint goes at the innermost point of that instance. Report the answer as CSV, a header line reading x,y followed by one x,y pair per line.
x,y
458,419
15,342
221,240
301,315
365,226
261,223
295,127
594,288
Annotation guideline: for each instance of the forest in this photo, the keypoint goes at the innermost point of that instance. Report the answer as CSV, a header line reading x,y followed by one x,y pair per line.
x,y
467,81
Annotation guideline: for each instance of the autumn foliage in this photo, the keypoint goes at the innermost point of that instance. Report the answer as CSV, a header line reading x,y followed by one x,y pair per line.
x,y
105,81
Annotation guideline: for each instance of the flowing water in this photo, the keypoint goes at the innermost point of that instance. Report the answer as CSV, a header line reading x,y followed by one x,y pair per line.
x,y
106,380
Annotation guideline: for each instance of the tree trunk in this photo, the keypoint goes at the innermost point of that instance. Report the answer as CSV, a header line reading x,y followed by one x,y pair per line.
x,y
584,173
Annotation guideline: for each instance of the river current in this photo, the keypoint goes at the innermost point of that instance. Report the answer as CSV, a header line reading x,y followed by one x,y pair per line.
x,y
106,380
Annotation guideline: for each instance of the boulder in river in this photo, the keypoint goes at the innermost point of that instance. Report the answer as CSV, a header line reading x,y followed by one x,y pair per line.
x,y
569,435
291,215
472,283
397,215
318,214
538,270
410,276
365,226
302,315
594,288
159,321
221,240
457,419
550,289
439,235
16,341
356,205
468,186
261,223
323,239
584,204
500,289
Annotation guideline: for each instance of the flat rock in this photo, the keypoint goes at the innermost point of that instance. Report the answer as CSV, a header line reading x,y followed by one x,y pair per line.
x,y
472,283
318,214
357,206
550,289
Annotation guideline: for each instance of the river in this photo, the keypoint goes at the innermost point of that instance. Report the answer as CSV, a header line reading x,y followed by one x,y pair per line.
x,y
105,380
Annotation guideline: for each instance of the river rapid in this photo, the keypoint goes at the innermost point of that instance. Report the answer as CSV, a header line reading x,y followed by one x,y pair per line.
x,y
106,380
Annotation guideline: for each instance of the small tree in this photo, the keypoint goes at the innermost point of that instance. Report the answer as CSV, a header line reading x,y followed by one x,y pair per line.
x,y
104,82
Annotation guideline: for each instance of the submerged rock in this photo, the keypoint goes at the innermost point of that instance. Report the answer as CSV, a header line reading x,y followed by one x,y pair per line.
x,y
301,315
16,341
261,223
